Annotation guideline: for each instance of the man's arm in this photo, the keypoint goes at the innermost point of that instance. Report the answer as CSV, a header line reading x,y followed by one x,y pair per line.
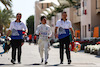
x,y
56,35
72,32
8,33
26,31
10,28
25,28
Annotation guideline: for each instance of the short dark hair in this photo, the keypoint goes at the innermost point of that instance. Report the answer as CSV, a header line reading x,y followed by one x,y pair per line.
x,y
42,17
64,12
18,14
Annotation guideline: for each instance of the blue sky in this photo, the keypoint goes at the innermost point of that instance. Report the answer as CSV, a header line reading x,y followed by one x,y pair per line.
x,y
26,7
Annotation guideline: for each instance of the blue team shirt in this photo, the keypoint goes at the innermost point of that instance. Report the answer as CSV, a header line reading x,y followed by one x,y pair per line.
x,y
63,35
20,36
64,27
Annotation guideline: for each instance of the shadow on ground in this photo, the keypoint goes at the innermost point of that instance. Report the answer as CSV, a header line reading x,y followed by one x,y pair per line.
x,y
97,56
59,65
6,64
35,64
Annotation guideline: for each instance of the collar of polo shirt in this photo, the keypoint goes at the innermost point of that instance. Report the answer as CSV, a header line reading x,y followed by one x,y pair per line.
x,y
16,21
62,19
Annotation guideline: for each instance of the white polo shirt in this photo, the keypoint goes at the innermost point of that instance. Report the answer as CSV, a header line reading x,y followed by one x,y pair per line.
x,y
17,26
66,25
17,29
63,28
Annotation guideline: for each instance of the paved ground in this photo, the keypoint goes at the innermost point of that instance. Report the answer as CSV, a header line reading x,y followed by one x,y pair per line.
x,y
31,58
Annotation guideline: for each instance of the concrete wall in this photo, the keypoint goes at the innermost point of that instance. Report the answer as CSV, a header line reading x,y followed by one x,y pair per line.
x,y
53,23
37,15
38,11
95,17
58,16
91,18
85,19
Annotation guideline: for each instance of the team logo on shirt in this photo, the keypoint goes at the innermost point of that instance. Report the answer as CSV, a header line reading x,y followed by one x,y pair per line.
x,y
15,32
61,31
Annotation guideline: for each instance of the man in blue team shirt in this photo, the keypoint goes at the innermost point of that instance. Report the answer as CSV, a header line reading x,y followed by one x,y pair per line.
x,y
64,27
16,28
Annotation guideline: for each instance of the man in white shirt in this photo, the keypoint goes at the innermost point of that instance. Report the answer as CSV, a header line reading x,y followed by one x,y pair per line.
x,y
64,26
44,32
16,28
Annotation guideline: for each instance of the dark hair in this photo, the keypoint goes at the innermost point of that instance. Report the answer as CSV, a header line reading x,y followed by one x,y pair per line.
x,y
18,14
64,12
42,17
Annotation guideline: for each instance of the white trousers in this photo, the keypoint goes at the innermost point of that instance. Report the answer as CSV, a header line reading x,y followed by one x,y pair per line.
x,y
43,47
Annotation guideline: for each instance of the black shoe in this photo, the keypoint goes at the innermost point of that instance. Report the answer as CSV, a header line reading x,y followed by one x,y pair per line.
x,y
12,61
19,62
42,61
46,62
61,62
69,61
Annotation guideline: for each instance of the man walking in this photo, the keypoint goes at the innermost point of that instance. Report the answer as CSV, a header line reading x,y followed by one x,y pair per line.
x,y
64,26
44,32
16,28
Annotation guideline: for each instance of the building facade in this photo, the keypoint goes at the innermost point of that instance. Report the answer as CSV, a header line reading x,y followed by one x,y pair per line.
x,y
90,17
40,6
83,19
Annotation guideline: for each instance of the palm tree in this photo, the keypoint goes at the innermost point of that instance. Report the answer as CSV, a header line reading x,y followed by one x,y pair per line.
x,y
57,10
6,3
50,15
5,18
72,3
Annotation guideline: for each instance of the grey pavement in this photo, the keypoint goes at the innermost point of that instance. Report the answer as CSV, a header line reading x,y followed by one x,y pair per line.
x,y
31,58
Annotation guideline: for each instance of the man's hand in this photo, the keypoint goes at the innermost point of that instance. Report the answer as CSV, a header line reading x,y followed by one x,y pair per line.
x,y
25,34
8,33
72,37
72,32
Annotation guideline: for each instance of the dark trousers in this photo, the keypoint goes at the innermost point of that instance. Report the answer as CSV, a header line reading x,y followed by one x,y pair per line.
x,y
35,41
65,41
16,44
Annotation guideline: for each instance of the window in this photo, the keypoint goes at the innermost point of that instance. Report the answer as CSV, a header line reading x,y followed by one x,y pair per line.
x,y
47,5
88,27
42,6
85,3
97,4
85,31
